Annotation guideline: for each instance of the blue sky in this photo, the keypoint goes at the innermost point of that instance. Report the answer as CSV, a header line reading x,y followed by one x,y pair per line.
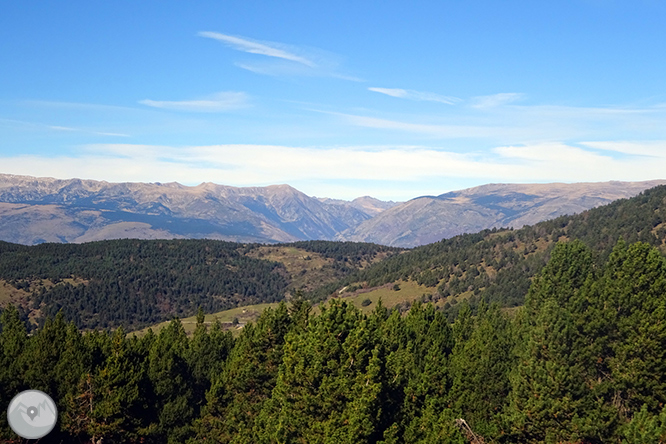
x,y
340,99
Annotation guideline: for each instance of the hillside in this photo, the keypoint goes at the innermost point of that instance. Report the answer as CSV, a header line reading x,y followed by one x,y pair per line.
x,y
429,219
140,282
36,210
497,265
582,362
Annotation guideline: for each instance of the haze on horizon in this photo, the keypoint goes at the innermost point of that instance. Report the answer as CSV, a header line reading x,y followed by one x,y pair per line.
x,y
388,99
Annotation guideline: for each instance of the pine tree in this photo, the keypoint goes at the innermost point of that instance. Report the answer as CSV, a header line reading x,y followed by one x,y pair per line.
x,y
480,367
119,407
645,428
13,339
550,397
172,383
238,394
429,342
628,309
330,384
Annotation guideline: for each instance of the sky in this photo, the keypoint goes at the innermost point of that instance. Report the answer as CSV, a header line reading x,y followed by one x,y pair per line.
x,y
339,99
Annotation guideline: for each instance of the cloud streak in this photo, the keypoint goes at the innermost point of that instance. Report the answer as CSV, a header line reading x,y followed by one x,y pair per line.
x,y
281,59
269,49
219,102
410,94
63,128
495,100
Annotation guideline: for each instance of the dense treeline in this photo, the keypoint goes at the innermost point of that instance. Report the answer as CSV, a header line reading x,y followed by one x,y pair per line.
x,y
135,283
497,265
138,282
345,251
583,361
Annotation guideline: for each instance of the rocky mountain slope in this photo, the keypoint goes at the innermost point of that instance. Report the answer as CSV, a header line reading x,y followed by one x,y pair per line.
x,y
35,210
429,219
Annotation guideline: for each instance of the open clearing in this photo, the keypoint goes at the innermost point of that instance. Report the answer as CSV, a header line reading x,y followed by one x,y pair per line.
x,y
409,292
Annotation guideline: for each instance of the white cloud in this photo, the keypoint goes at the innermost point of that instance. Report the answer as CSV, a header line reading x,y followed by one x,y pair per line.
x,y
251,165
645,148
400,166
427,129
282,59
270,49
62,128
410,94
495,100
562,162
219,102
520,124
399,170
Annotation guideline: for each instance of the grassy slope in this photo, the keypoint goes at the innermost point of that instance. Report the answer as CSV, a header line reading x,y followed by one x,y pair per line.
x,y
409,292
498,266
509,259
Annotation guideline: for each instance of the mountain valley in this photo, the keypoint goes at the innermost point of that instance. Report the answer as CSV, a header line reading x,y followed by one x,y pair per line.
x,y
37,210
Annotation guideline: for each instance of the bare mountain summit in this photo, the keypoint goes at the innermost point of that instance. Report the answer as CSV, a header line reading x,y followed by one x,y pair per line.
x,y
35,210
429,219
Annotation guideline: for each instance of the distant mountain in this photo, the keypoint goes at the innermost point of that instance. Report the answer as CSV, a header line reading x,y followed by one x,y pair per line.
x,y
140,282
429,219
36,210
497,265
366,204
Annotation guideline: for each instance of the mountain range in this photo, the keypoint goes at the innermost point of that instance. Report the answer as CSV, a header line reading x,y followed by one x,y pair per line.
x,y
36,210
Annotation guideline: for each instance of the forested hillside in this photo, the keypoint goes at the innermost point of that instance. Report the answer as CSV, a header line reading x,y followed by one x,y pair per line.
x,y
139,282
582,362
497,265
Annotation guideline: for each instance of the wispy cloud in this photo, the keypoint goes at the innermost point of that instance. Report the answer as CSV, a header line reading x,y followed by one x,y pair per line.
x,y
282,59
495,100
444,131
410,94
655,148
518,123
62,128
270,49
76,105
219,102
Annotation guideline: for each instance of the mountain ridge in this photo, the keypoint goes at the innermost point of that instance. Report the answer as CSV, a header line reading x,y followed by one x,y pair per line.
x,y
36,210
428,219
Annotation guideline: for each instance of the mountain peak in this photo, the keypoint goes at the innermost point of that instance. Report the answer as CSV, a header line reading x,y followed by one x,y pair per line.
x,y
35,210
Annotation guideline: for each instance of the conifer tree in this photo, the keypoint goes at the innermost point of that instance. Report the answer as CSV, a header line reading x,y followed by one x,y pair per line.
x,y
645,428
330,384
550,398
627,313
479,368
13,339
120,412
171,382
430,341
237,394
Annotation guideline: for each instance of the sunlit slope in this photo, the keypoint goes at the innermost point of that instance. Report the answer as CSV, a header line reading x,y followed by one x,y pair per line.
x,y
497,265
429,219
140,282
